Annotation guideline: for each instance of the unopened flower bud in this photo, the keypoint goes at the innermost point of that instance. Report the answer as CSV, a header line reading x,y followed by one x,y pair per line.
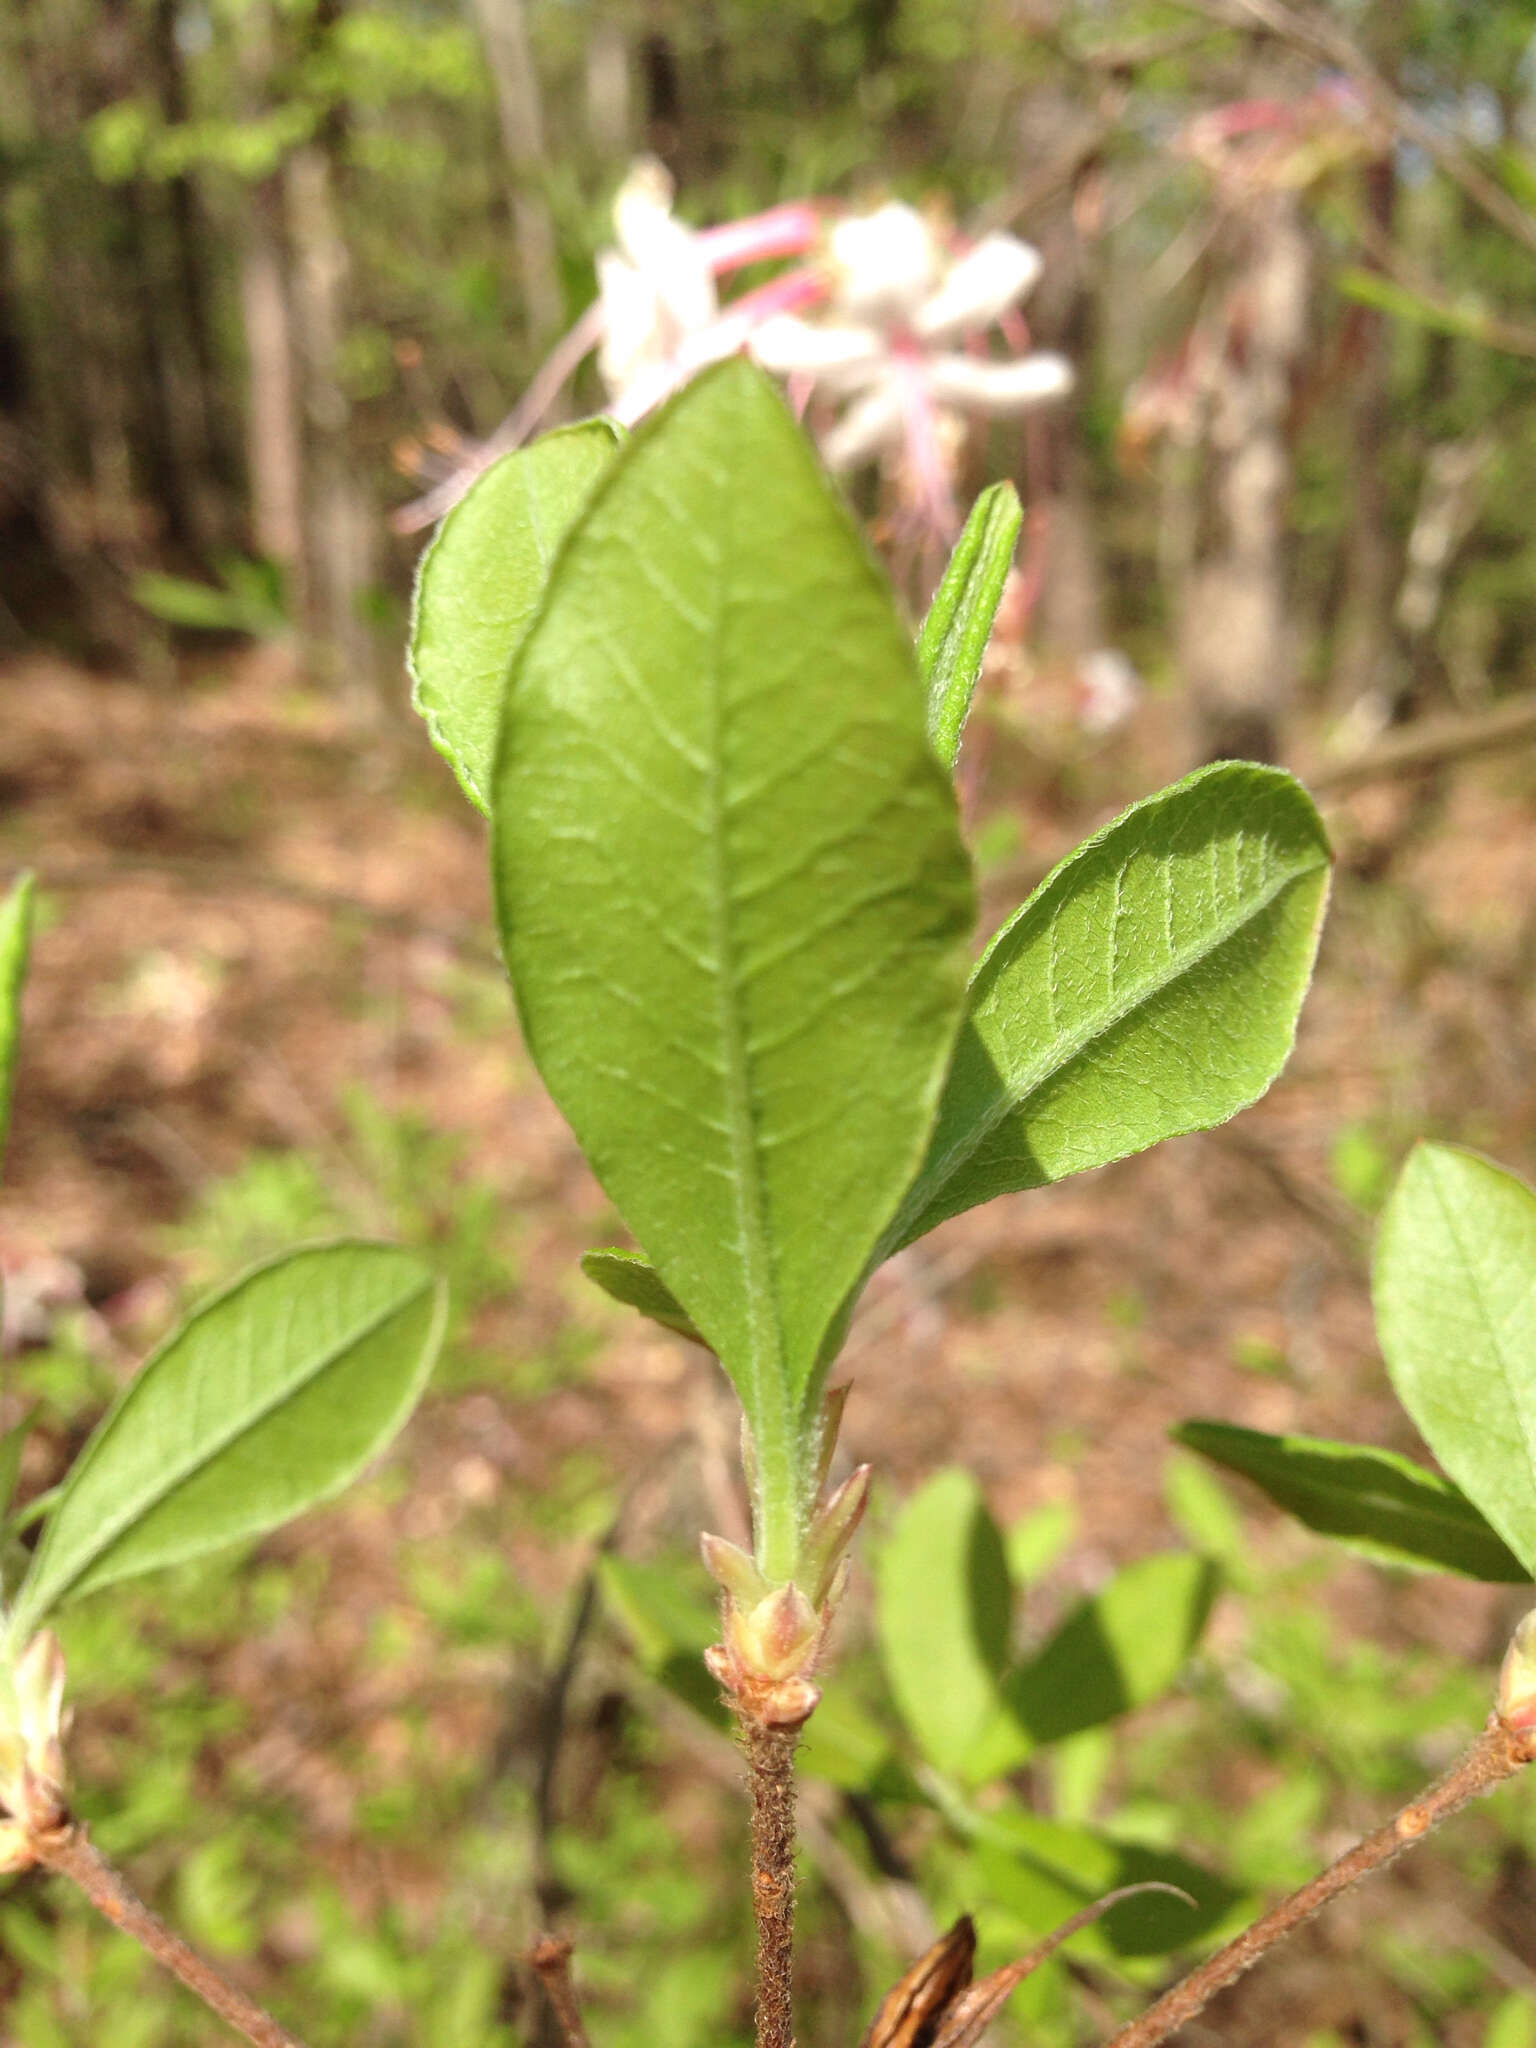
x,y
777,1638
1517,1679
32,1724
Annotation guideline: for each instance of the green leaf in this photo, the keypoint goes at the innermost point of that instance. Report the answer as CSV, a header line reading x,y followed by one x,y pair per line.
x,y
943,1609
480,583
1114,1652
1371,1499
267,1400
1045,1871
731,889
1455,1293
1467,317
1149,987
15,944
632,1279
955,633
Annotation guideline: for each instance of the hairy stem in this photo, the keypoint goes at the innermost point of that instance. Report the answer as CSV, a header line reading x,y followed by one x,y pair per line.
x,y
70,1851
1498,1753
771,1765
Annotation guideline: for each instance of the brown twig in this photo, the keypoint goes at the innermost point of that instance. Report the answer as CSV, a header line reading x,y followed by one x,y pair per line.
x,y
551,1960
70,1851
1497,1754
771,1766
1431,742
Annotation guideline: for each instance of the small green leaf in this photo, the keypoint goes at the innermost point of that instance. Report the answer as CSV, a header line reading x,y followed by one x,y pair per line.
x,y
1455,1294
15,944
480,583
1117,1651
955,633
267,1400
1149,987
731,888
12,1445
943,1607
631,1278
1371,1499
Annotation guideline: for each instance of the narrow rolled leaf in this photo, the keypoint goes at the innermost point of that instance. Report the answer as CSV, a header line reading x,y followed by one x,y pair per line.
x,y
267,1400
730,884
955,633
943,1611
1455,1294
1117,1651
480,583
1369,1498
1149,987
15,943
632,1279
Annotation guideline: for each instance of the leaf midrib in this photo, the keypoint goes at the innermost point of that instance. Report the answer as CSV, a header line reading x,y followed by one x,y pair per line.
x,y
30,1600
766,1349
1065,1051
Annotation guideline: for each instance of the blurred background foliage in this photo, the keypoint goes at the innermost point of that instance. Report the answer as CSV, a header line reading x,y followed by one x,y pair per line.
x,y
267,267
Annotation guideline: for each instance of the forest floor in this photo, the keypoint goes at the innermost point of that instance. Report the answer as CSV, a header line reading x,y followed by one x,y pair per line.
x,y
266,932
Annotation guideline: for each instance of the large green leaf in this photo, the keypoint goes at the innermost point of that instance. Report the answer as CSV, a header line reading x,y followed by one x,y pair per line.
x,y
1455,1292
953,641
1114,1652
1369,1498
480,583
1149,987
268,1399
15,942
943,1611
731,888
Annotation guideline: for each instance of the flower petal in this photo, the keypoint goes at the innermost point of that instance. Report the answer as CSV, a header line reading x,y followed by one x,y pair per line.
x,y
887,262
975,384
980,287
871,424
787,347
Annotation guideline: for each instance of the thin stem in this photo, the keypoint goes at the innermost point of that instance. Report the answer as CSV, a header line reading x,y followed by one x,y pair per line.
x,y
771,1764
70,1851
551,1959
1497,1754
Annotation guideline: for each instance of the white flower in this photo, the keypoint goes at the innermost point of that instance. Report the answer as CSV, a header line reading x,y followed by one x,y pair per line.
x,y
884,354
657,293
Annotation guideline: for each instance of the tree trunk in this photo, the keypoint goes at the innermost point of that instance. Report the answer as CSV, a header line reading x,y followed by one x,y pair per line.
x,y
340,525
1236,643
503,26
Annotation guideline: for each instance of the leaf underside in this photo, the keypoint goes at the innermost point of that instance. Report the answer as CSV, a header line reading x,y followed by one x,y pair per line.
x,y
1362,1495
267,1400
730,885
480,583
1455,1295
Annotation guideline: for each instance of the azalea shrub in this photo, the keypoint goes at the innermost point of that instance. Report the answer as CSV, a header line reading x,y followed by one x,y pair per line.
x,y
737,911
